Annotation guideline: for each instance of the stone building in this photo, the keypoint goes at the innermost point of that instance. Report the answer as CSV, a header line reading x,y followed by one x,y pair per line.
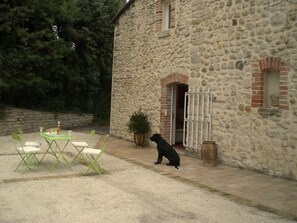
x,y
241,53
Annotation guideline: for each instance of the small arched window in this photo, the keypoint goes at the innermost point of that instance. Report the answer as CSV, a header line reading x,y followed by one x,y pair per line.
x,y
270,84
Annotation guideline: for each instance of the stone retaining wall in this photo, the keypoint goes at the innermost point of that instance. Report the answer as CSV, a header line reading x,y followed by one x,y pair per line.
x,y
30,120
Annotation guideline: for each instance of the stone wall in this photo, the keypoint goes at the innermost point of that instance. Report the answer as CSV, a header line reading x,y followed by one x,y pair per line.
x,y
142,58
223,45
30,120
260,35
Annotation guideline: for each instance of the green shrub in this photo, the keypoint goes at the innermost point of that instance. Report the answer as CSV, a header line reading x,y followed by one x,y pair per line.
x,y
139,122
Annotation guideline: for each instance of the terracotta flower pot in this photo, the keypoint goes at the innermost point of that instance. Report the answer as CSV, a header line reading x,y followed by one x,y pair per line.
x,y
139,139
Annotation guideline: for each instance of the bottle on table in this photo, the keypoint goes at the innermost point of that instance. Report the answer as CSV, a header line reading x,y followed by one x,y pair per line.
x,y
58,128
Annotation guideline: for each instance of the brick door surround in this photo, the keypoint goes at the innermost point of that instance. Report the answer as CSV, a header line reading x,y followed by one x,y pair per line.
x,y
165,113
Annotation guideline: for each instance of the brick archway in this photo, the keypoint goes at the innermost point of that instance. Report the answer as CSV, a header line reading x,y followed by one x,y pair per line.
x,y
166,101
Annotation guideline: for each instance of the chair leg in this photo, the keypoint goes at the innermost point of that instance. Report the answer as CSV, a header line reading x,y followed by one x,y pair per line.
x,y
24,160
32,159
96,166
93,164
35,158
27,159
21,164
79,154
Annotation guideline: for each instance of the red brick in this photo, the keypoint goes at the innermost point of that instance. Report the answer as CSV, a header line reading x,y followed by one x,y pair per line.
x,y
283,96
283,87
257,97
256,105
259,79
283,106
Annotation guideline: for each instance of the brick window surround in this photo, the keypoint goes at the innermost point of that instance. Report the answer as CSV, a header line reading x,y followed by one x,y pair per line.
x,y
273,63
158,15
165,112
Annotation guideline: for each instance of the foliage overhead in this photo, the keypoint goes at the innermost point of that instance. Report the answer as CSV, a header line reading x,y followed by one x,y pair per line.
x,y
57,55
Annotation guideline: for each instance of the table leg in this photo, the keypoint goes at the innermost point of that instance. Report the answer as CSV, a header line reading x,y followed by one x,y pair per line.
x,y
48,149
60,154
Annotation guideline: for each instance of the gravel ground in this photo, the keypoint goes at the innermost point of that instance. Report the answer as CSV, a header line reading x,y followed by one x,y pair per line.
x,y
124,193
128,193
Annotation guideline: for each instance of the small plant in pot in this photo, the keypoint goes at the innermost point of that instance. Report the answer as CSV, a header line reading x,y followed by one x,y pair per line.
x,y
139,125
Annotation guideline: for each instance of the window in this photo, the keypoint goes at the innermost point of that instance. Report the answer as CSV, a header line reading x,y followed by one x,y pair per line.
x,y
271,88
166,14
270,84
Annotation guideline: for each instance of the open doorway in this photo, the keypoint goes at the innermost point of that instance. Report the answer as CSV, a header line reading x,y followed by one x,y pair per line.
x,y
177,114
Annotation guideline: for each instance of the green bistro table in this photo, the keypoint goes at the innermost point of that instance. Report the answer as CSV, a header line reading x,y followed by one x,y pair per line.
x,y
53,147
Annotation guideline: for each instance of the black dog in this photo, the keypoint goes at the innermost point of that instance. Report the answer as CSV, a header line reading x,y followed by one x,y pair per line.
x,y
164,149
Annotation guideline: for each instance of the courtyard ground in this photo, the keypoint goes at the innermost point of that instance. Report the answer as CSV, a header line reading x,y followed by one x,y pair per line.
x,y
133,189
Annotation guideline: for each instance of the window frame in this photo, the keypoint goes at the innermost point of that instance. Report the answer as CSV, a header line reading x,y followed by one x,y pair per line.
x,y
164,17
257,99
166,14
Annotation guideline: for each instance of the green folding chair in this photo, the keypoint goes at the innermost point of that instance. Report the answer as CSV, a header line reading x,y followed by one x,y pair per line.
x,y
80,145
92,156
28,143
27,153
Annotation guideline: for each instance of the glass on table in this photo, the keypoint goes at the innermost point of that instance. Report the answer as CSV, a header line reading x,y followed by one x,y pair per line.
x,y
53,132
69,133
41,129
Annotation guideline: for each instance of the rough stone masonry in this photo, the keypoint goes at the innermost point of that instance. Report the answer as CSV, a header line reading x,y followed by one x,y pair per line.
x,y
225,46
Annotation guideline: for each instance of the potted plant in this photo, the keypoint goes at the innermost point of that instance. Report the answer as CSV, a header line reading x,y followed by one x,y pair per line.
x,y
139,125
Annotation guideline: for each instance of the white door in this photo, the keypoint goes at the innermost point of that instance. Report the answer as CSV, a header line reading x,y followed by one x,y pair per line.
x,y
197,117
177,109
173,114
